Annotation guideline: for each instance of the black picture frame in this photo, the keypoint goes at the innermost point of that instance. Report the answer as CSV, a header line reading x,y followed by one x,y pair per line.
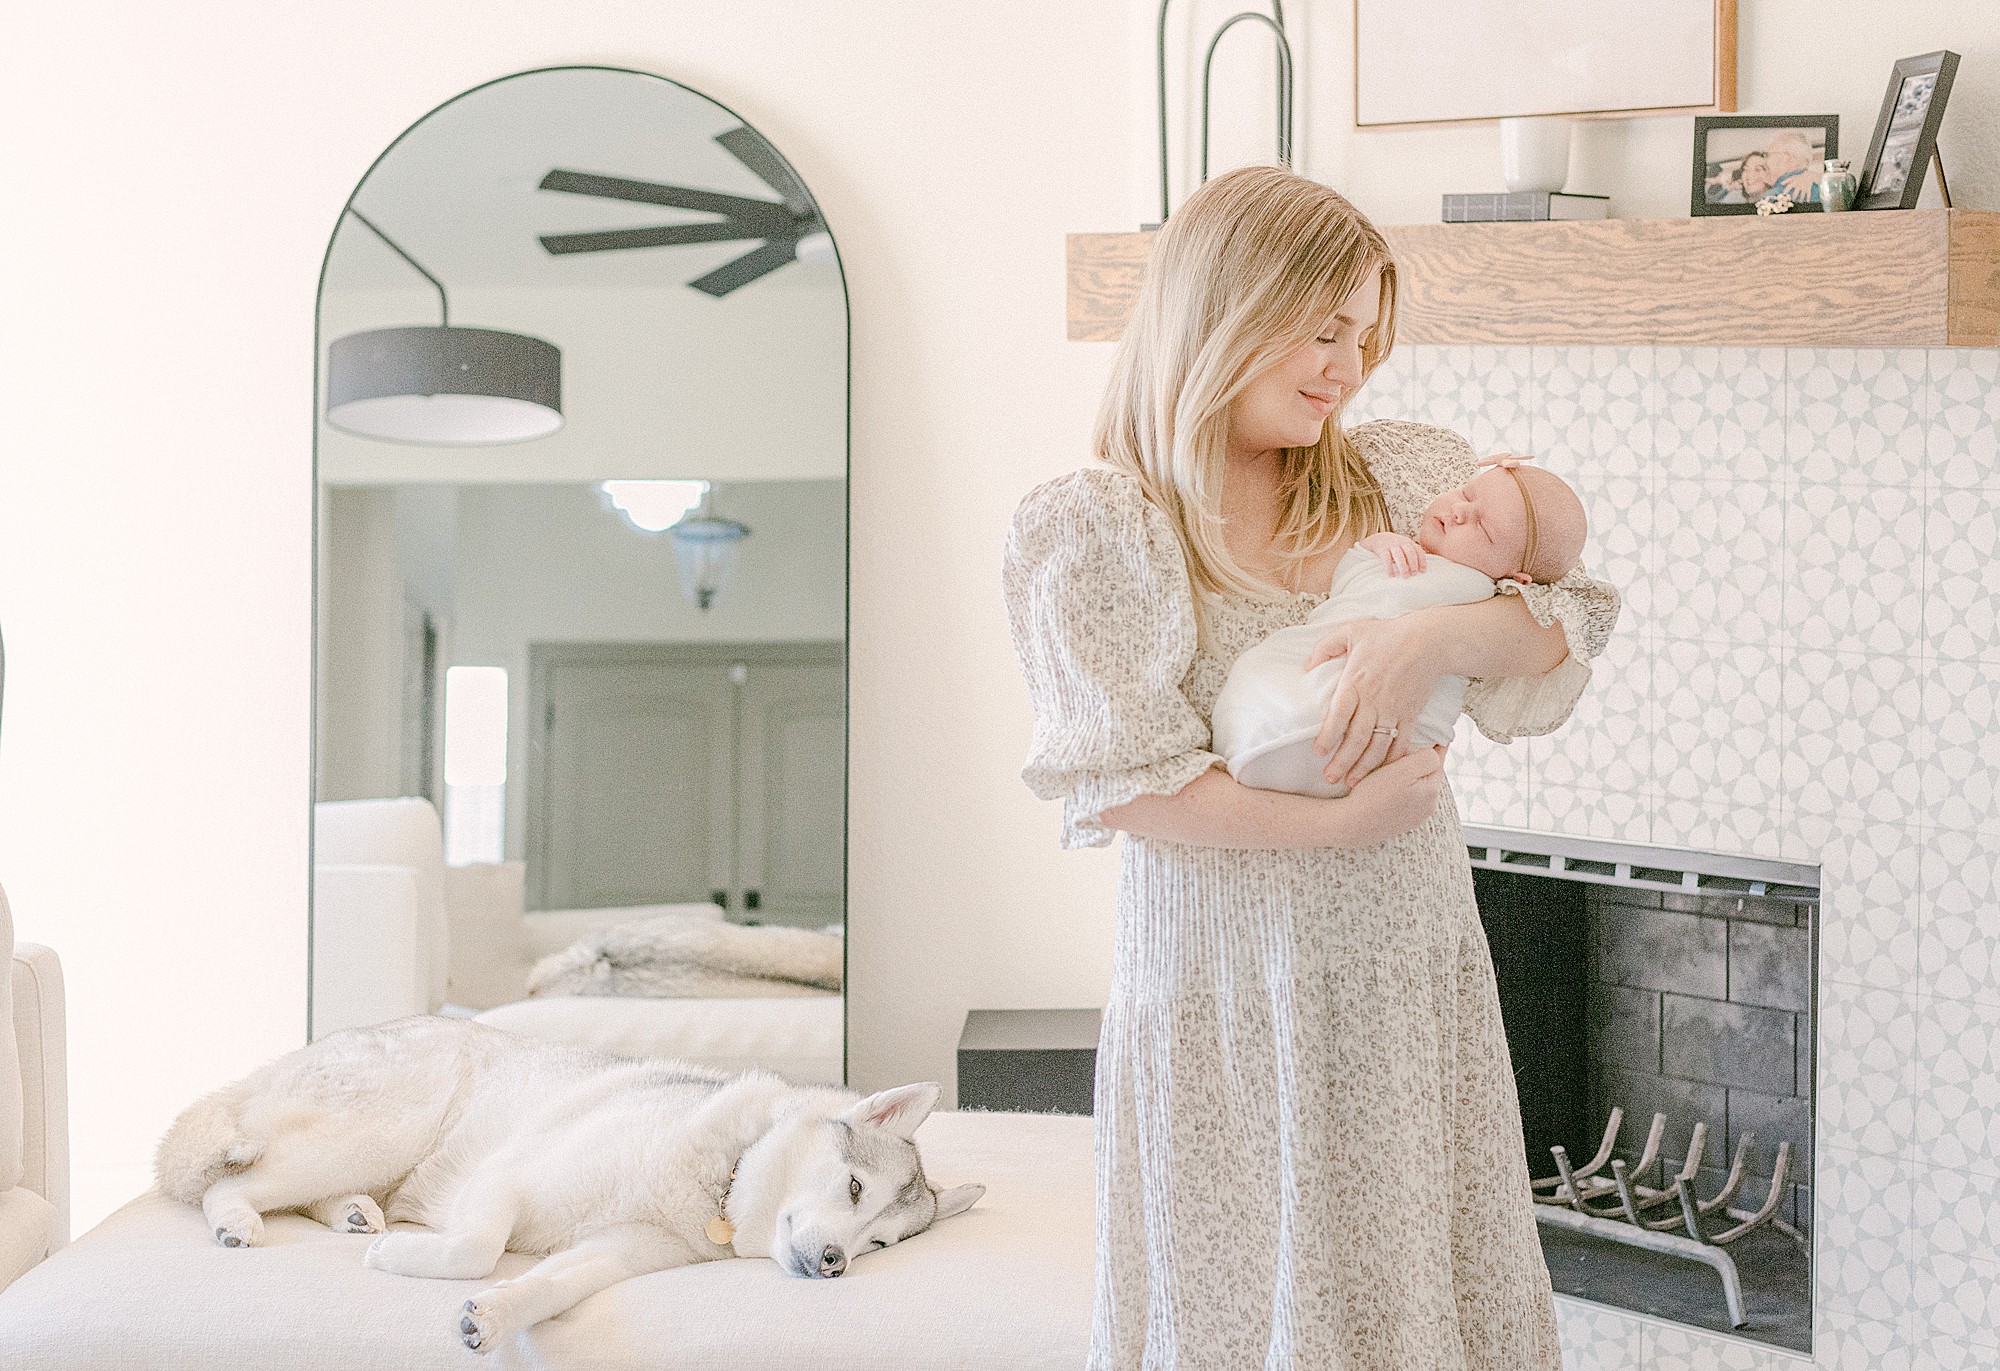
x,y
1901,133
1703,185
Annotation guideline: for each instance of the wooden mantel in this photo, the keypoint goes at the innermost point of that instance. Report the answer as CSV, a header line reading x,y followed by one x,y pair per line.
x,y
1883,278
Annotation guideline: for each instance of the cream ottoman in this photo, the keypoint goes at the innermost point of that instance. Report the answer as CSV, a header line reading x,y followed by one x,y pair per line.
x,y
1005,1286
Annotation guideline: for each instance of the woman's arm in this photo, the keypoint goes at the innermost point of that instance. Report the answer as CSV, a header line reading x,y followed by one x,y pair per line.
x,y
1393,665
1496,637
1216,810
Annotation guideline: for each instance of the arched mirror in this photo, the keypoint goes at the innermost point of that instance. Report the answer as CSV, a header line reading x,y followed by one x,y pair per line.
x,y
581,582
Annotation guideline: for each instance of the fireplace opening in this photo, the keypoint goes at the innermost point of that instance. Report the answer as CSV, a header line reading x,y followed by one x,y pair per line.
x,y
1661,982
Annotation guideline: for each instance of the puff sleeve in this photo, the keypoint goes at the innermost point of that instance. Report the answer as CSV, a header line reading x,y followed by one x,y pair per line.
x,y
1102,617
1414,464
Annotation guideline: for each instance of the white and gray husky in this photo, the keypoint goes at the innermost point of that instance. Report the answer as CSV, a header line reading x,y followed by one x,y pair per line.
x,y
605,1167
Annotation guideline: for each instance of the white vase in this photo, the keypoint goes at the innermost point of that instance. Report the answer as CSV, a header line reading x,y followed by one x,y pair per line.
x,y
1534,152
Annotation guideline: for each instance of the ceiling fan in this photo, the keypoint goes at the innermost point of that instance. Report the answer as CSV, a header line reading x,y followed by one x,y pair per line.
x,y
777,226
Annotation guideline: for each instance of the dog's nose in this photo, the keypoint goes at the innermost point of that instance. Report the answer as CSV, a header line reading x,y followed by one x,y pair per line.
x,y
832,1262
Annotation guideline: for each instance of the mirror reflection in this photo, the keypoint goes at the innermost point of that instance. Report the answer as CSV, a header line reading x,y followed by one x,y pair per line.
x,y
580,715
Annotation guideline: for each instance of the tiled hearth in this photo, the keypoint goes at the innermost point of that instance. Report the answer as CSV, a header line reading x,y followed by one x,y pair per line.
x,y
1807,668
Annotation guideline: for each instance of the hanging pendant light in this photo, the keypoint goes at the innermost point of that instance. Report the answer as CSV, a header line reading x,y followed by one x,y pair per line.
x,y
440,385
706,549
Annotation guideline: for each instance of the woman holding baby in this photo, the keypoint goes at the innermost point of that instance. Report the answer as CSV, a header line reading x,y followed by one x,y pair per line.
x,y
1309,1149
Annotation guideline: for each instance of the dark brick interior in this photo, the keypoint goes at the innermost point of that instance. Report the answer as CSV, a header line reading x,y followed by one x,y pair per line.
x,y
1701,1007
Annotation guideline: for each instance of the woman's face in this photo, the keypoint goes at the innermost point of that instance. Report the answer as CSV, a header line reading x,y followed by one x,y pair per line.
x,y
1287,404
1755,176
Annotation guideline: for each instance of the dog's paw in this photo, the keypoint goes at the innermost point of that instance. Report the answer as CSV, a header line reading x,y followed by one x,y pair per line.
x,y
477,1327
244,1232
381,1254
359,1214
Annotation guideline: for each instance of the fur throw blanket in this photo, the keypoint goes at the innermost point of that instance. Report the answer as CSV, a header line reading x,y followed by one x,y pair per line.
x,y
680,956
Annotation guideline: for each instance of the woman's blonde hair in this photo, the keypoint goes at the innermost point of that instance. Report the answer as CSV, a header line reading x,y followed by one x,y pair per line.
x,y
1251,266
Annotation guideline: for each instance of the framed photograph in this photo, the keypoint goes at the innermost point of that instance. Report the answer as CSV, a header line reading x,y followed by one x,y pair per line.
x,y
1741,158
1899,153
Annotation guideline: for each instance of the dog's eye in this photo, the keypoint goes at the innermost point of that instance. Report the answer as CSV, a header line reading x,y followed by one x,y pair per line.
x,y
879,1244
854,1188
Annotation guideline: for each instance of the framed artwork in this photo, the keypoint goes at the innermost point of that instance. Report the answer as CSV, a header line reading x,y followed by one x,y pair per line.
x,y
1899,152
1741,158
1448,61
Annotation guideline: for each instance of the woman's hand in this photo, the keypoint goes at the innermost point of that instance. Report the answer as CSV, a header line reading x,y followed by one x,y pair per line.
x,y
1395,797
1390,674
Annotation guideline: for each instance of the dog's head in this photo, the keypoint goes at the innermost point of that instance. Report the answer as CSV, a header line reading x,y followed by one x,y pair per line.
x,y
856,1185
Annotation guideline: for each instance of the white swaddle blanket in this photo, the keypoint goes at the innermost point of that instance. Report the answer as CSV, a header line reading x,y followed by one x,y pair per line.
x,y
1270,708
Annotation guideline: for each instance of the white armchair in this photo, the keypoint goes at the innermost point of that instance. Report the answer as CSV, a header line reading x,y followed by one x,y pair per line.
x,y
34,1106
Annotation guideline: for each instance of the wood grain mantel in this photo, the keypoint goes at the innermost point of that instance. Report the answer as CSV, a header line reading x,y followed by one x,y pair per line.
x,y
1885,278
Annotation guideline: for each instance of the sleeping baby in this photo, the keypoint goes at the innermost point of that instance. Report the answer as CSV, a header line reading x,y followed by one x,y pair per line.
x,y
1509,523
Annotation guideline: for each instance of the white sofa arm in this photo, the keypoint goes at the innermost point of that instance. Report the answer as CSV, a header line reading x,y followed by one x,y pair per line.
x,y
39,1019
369,961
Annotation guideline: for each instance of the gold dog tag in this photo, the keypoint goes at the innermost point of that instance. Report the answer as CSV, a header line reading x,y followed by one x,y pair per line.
x,y
721,1231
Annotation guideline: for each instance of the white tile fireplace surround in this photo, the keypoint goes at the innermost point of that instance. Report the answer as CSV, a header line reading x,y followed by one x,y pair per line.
x,y
1808,668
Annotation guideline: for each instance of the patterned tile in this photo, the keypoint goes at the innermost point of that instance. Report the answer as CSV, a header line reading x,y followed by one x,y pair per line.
x,y
1484,393
1718,740
1386,394
1619,816
1957,1085
1955,1262
1958,945
1592,419
1717,826
1597,1338
1720,560
1855,416
1854,742
1846,1342
1871,908
1491,780
1606,744
1961,756
1854,568
1672,1347
1719,414
1621,542
1961,595
1862,1215
1962,437
1866,1065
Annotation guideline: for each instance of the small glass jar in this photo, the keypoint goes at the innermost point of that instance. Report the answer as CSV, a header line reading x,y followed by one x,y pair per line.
x,y
1836,186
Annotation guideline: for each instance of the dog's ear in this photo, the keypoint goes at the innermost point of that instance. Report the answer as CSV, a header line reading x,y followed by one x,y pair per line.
x,y
899,1110
957,1200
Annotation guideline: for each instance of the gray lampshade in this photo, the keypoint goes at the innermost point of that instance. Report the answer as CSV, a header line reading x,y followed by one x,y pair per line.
x,y
444,386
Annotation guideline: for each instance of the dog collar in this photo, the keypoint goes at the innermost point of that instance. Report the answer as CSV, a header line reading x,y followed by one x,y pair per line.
x,y
720,1230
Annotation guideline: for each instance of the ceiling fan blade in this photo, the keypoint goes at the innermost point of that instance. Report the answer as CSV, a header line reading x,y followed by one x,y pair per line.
x,y
743,270
758,216
666,235
762,159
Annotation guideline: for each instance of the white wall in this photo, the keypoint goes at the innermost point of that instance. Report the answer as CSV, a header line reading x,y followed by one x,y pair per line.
x,y
183,169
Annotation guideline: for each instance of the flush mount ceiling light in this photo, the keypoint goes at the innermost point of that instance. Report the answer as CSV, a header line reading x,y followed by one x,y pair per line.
x,y
654,506
440,385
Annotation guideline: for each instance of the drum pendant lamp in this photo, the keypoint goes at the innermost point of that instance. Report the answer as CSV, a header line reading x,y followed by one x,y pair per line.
x,y
440,385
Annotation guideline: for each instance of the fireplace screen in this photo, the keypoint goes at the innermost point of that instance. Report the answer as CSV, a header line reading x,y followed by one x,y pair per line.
x,y
1659,1012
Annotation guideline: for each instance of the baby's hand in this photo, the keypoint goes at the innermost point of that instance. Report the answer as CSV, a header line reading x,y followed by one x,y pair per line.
x,y
1400,556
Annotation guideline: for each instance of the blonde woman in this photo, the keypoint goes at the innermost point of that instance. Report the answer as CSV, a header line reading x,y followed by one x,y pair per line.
x,y
1309,1149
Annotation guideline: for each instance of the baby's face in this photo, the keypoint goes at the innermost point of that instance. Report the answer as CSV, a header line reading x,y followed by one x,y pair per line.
x,y
1483,524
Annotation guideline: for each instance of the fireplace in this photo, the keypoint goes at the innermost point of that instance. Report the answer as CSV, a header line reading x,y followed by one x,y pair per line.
x,y
1670,982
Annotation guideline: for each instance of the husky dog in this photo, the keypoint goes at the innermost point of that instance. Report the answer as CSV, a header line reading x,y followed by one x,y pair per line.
x,y
605,1167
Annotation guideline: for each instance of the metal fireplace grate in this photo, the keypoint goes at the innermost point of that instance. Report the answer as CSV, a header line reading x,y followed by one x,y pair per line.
x,y
1639,865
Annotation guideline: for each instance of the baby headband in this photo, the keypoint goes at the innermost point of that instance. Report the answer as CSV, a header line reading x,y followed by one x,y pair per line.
x,y
1527,505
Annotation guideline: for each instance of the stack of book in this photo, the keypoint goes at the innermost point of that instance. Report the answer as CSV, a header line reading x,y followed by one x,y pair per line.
x,y
1509,205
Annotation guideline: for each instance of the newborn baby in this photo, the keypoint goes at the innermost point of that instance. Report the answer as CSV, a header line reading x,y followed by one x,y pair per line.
x,y
1510,522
